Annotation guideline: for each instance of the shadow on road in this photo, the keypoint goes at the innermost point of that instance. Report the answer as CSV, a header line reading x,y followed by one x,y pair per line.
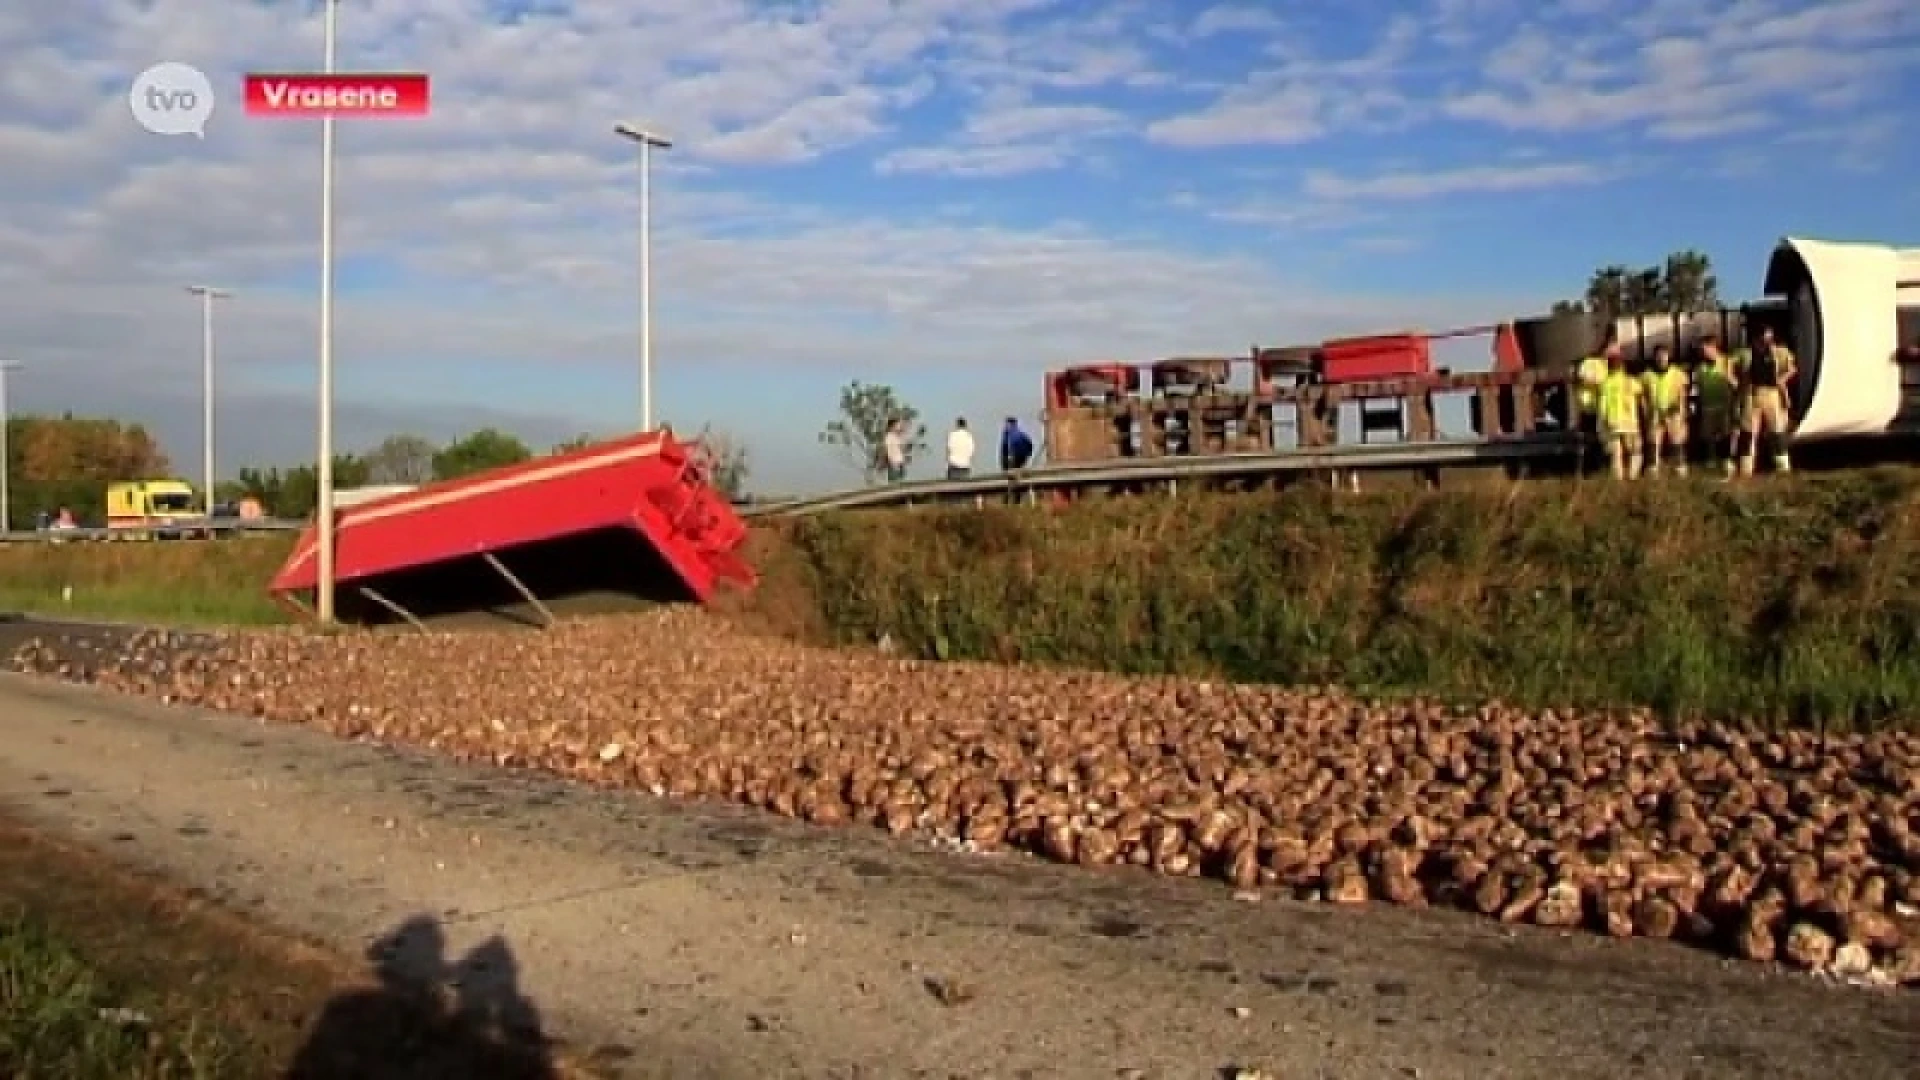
x,y
430,1018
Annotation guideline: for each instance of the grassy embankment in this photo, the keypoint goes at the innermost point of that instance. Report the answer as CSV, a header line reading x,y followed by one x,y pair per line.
x,y
1791,599
199,582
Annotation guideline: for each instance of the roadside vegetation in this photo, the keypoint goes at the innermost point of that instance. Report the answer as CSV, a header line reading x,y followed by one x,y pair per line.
x,y
105,975
195,582
110,975
1791,600
61,1018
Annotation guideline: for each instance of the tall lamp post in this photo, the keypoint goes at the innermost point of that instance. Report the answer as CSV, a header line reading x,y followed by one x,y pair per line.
x,y
649,141
207,294
323,514
6,452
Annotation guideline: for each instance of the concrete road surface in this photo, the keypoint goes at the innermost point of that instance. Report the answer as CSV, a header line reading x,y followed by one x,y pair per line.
x,y
692,942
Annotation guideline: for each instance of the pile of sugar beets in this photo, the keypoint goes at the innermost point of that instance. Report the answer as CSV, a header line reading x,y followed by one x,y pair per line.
x,y
1788,847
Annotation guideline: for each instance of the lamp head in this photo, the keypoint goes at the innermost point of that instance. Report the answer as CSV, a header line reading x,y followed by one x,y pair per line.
x,y
643,136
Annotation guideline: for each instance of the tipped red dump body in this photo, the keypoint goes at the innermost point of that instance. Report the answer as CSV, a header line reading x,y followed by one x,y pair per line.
x,y
650,486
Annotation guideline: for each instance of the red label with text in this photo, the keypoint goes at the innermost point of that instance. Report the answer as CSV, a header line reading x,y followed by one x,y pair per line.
x,y
343,94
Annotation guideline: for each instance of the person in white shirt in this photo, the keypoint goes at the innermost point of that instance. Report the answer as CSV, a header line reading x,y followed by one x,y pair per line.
x,y
894,447
959,451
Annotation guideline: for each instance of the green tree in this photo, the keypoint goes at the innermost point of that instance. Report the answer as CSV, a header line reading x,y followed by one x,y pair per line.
x,y
267,485
1646,292
726,461
295,492
858,433
68,461
401,459
488,448
578,442
1606,295
1683,284
1690,282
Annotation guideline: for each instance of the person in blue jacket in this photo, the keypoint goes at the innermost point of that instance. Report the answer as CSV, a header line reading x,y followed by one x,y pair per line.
x,y
1016,449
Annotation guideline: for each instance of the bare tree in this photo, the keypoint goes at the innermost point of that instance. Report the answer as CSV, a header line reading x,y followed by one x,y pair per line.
x,y
860,430
401,459
727,462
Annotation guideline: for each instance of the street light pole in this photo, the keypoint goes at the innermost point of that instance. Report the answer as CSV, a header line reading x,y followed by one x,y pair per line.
x,y
207,294
648,141
324,521
6,452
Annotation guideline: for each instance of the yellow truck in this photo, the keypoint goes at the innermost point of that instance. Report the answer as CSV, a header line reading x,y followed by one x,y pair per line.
x,y
152,507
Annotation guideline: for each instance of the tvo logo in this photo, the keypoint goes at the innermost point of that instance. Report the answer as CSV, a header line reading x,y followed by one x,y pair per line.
x,y
172,99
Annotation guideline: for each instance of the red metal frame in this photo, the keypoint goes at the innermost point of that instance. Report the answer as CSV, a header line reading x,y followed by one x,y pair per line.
x,y
1506,349
1060,383
1381,356
651,484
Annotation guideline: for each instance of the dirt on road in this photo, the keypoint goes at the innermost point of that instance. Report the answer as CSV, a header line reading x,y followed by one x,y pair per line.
x,y
703,941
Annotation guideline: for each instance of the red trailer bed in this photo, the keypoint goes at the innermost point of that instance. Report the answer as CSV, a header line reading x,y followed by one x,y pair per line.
x,y
634,516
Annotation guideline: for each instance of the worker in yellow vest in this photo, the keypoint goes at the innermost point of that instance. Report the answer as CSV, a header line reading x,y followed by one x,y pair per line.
x,y
1621,401
1719,416
1665,389
1591,373
1765,372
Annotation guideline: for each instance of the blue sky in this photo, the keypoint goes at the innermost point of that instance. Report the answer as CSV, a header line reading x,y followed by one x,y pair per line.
x,y
949,196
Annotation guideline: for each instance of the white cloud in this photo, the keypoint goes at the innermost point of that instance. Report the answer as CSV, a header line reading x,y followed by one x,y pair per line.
x,y
1040,121
1359,208
1284,114
1017,124
1012,138
499,233
1235,19
1860,146
974,160
1684,72
1303,98
1674,69
1437,183
1290,214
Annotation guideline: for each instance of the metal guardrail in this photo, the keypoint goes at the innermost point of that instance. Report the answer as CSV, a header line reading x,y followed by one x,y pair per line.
x,y
1363,457
219,527
1438,454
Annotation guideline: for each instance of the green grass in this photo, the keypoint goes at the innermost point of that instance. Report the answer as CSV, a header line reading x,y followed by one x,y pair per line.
x,y
57,1019
1788,601
198,582
82,937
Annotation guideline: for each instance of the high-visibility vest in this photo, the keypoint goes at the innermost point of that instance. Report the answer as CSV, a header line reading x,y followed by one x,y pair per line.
x,y
1620,402
1593,371
1666,391
1716,388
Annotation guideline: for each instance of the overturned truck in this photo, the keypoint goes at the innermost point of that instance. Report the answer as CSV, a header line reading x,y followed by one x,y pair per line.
x,y
624,521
